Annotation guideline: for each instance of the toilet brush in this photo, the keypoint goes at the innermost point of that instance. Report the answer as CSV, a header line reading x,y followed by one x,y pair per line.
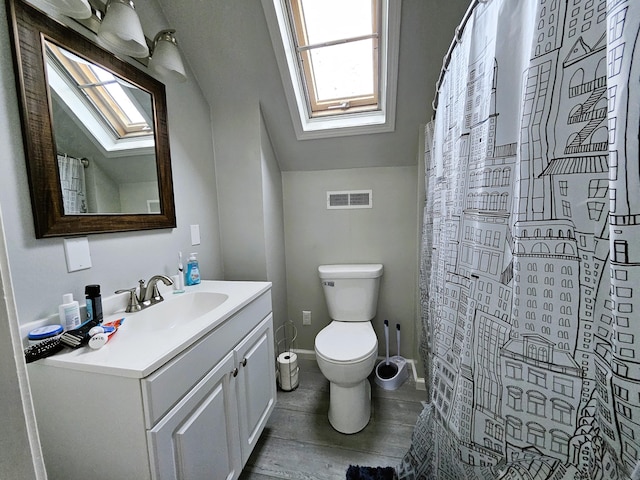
x,y
400,362
387,369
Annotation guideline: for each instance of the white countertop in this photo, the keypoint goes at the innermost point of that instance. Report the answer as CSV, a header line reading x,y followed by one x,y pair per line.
x,y
131,353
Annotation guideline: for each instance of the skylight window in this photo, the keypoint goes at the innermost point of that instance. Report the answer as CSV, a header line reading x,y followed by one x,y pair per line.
x,y
338,54
130,114
338,61
104,92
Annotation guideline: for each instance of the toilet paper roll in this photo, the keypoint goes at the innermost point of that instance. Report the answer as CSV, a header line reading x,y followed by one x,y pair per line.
x,y
288,357
287,363
288,370
288,381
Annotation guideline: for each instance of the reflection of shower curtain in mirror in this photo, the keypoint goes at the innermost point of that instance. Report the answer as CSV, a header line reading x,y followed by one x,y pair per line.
x,y
530,282
73,184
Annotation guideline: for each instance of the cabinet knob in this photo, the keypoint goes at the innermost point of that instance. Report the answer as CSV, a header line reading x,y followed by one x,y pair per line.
x,y
234,372
244,362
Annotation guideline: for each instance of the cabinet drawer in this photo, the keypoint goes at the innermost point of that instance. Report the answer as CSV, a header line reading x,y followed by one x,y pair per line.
x,y
165,387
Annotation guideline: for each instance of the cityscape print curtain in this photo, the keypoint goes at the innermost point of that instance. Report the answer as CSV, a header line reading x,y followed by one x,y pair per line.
x,y
73,184
531,248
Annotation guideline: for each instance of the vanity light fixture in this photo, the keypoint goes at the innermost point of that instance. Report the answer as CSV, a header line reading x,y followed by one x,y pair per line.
x,y
121,30
165,58
79,9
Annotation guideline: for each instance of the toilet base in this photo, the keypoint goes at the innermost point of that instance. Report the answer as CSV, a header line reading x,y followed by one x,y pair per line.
x,y
350,407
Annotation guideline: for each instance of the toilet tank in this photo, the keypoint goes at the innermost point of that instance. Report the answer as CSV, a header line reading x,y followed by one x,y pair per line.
x,y
351,291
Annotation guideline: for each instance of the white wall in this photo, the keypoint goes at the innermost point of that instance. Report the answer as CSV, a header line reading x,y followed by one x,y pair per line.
x,y
102,190
250,196
383,234
20,453
134,196
273,226
239,177
38,267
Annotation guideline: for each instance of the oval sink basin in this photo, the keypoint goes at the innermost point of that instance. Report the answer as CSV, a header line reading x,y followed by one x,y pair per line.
x,y
175,311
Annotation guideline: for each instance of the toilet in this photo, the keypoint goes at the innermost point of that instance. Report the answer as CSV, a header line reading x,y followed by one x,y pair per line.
x,y
347,348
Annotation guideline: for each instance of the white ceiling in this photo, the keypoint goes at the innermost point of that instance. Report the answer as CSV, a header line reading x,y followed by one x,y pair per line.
x,y
228,48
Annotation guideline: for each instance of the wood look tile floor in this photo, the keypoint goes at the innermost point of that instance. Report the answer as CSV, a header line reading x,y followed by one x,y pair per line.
x,y
299,443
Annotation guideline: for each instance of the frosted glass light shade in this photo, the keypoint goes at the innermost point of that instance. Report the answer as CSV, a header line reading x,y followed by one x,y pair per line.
x,y
121,30
79,9
166,59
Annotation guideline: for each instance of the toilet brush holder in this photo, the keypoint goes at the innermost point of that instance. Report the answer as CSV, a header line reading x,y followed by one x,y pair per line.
x,y
383,377
392,372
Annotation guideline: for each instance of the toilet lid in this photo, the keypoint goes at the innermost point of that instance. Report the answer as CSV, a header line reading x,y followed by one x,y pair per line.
x,y
346,341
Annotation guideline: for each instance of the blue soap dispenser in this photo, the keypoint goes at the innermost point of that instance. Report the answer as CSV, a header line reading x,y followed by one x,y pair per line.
x,y
192,275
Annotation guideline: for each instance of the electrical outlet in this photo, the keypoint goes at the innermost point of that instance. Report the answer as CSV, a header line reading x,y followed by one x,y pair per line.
x,y
306,317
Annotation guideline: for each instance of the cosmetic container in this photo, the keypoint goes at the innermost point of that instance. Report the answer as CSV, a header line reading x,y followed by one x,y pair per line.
x,y
94,302
69,312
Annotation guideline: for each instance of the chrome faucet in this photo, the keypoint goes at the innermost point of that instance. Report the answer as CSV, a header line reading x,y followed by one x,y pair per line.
x,y
151,293
148,295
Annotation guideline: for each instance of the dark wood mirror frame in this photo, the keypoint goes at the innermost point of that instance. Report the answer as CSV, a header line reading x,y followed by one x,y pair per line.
x,y
29,27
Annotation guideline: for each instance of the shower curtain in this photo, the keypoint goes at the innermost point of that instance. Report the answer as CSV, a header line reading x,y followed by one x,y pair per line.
x,y
530,275
72,182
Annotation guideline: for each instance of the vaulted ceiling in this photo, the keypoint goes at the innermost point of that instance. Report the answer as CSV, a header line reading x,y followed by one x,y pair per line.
x,y
228,48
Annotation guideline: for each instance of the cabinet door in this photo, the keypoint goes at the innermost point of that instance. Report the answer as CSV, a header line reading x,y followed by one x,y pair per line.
x,y
256,383
198,438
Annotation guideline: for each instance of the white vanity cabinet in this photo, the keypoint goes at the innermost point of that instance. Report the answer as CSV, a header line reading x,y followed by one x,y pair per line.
x,y
197,416
199,438
211,432
255,386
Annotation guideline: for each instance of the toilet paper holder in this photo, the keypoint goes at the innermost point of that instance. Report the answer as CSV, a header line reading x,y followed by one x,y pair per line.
x,y
287,369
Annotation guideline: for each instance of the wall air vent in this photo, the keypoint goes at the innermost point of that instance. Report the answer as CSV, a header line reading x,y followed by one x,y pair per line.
x,y
350,199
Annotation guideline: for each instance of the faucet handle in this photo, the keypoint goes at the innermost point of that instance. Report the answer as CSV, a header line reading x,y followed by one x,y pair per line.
x,y
134,304
155,296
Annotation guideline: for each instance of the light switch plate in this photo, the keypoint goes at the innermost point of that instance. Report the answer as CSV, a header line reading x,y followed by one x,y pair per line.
x,y
77,254
195,234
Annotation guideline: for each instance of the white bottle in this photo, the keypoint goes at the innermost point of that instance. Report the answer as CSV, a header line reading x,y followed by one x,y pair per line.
x,y
179,283
69,312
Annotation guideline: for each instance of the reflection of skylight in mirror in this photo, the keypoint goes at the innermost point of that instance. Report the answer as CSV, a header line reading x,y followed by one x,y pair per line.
x,y
71,56
114,88
115,101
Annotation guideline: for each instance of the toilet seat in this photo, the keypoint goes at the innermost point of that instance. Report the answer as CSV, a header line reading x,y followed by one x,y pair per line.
x,y
346,342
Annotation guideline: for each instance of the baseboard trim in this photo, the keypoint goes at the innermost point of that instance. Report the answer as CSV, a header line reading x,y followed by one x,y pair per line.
x,y
419,381
306,354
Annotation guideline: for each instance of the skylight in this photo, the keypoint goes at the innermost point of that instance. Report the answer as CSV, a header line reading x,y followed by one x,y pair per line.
x,y
104,93
338,62
111,85
338,54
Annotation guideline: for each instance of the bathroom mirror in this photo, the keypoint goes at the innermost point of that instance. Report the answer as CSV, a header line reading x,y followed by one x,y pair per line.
x,y
95,132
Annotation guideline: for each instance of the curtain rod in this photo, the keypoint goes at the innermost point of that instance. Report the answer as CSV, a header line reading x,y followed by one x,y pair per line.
x,y
83,160
447,58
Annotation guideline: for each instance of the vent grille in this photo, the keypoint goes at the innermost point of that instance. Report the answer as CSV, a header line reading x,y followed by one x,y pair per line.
x,y
350,199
